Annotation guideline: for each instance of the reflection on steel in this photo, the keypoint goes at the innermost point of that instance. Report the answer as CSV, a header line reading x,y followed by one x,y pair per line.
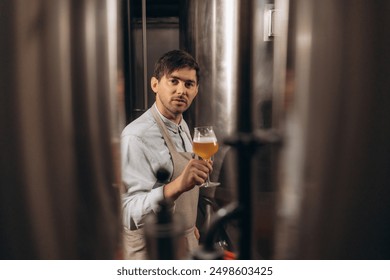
x,y
58,130
213,38
212,26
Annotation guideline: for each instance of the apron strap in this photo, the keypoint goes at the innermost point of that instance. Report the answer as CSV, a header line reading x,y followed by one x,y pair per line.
x,y
163,130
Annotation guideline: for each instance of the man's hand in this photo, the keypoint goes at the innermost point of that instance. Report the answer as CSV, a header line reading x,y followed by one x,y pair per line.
x,y
195,173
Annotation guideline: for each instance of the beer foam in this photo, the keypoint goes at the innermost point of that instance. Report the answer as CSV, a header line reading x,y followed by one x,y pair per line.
x,y
205,140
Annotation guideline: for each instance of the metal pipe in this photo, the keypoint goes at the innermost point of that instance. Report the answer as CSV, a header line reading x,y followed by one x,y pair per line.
x,y
145,54
221,217
244,121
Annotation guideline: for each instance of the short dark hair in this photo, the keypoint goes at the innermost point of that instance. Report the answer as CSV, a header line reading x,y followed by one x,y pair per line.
x,y
175,60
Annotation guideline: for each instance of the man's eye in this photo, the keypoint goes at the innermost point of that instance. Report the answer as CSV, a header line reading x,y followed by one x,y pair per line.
x,y
189,85
174,81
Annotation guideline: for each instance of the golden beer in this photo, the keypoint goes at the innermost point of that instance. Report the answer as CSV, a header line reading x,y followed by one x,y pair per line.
x,y
205,148
205,145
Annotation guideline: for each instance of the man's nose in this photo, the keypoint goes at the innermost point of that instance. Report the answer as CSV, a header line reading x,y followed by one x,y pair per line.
x,y
181,88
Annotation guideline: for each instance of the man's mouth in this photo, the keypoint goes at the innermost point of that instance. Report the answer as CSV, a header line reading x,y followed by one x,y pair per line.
x,y
180,100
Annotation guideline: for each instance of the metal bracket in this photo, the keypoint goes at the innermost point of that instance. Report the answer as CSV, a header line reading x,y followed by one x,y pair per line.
x,y
269,22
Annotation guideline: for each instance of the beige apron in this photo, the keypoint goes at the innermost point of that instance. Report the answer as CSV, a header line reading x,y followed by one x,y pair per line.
x,y
186,204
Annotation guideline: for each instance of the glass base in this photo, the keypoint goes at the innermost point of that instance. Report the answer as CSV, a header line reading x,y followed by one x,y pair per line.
x,y
210,184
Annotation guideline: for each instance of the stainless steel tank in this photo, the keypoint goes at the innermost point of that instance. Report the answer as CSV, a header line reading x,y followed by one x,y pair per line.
x,y
213,38
59,130
235,94
334,193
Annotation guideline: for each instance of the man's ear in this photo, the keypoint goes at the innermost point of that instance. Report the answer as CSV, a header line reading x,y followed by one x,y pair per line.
x,y
154,84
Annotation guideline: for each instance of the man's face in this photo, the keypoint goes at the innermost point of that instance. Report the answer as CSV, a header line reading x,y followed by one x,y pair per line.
x,y
175,92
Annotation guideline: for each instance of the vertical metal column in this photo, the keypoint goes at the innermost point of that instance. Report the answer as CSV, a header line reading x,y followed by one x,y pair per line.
x,y
244,127
145,54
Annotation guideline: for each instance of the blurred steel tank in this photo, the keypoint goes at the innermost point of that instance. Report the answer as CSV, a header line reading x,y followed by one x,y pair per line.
x,y
211,34
234,48
334,193
59,195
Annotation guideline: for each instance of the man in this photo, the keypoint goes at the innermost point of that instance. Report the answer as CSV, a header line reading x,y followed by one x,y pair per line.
x,y
160,138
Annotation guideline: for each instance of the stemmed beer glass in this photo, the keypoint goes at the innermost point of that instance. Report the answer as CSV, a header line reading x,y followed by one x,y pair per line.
x,y
205,145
